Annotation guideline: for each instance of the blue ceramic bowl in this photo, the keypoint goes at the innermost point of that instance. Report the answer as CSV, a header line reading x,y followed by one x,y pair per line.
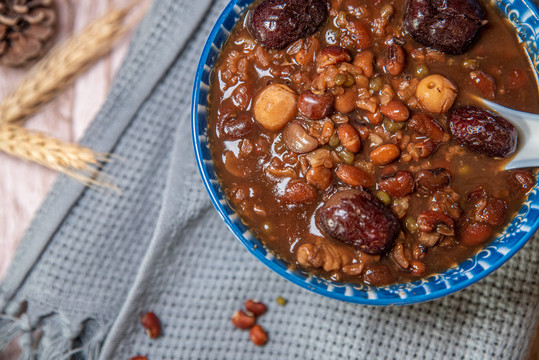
x,y
524,16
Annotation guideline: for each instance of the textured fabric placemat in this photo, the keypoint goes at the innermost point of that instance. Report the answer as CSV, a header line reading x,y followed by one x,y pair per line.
x,y
91,262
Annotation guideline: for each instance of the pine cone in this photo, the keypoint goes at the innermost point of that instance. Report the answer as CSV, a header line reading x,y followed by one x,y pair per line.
x,y
27,29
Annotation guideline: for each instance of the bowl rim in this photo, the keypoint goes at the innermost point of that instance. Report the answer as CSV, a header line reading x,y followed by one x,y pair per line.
x,y
290,276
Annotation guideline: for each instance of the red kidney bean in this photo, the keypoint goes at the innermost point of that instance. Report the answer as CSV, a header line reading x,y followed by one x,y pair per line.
x,y
429,127
313,106
398,185
475,234
433,179
396,60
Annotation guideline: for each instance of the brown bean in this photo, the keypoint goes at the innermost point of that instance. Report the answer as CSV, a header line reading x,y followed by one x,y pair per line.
x,y
346,102
433,179
521,180
299,192
427,221
516,79
398,185
484,82
428,239
443,201
377,275
475,233
326,133
331,55
360,33
354,176
320,157
490,210
429,127
384,154
417,268
365,61
320,177
349,137
235,128
395,110
363,130
397,253
396,59
235,165
424,147
313,106
241,96
306,56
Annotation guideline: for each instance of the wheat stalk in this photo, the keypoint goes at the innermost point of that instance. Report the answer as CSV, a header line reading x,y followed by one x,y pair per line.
x,y
63,64
48,78
79,162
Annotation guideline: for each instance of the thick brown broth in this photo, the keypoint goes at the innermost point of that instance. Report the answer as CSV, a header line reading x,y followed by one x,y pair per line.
x,y
256,167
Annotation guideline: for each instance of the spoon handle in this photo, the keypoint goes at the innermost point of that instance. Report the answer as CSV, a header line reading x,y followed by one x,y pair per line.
x,y
527,125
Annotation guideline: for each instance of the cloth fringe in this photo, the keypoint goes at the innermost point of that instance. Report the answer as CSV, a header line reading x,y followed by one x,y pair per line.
x,y
56,339
26,344
9,329
54,346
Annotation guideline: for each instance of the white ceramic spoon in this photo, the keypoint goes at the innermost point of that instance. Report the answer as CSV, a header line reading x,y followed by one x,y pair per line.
x,y
528,135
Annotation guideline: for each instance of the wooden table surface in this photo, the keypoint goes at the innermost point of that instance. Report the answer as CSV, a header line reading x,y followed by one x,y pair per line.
x,y
25,185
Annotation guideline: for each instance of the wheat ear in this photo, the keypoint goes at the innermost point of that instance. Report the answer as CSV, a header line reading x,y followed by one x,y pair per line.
x,y
63,64
79,162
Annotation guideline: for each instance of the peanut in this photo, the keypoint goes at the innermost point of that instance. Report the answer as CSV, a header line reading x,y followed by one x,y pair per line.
x,y
299,192
256,307
243,320
258,336
352,175
346,102
395,110
151,323
349,137
475,234
319,177
384,154
365,61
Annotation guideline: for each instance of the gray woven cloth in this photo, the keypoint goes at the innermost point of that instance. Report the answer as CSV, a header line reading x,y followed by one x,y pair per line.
x,y
91,262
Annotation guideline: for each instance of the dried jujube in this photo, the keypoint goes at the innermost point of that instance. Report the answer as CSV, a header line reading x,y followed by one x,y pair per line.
x,y
446,25
278,23
483,132
357,218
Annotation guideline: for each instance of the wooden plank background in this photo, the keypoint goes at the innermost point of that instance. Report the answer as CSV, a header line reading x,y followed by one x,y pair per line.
x,y
25,185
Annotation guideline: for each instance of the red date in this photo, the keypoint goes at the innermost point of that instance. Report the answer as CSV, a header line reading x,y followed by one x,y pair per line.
x,y
277,23
357,218
483,132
